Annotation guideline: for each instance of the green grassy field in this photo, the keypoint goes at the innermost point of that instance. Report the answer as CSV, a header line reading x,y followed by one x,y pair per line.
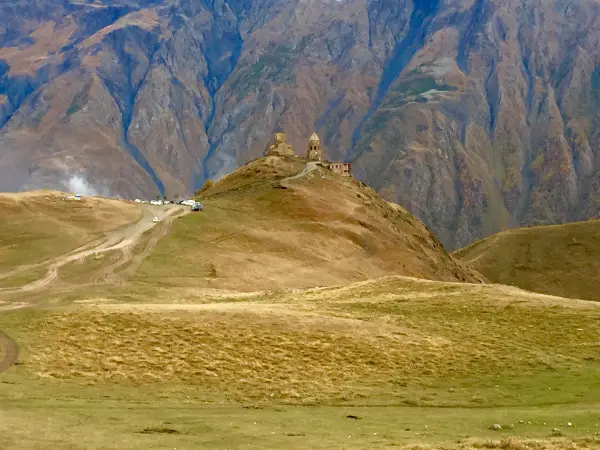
x,y
418,362
165,425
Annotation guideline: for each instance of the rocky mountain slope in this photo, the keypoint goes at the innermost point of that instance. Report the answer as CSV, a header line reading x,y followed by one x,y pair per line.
x,y
474,114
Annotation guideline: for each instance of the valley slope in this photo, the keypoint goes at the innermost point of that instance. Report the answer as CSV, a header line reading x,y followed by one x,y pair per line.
x,y
476,115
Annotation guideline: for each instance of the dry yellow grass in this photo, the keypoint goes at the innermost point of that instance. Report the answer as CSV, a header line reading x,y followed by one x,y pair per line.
x,y
559,260
257,172
242,355
518,444
48,38
22,277
376,342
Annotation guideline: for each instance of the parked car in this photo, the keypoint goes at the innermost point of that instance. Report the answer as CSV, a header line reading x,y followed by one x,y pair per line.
x,y
155,219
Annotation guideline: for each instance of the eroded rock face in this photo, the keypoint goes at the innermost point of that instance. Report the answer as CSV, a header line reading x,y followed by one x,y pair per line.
x,y
474,114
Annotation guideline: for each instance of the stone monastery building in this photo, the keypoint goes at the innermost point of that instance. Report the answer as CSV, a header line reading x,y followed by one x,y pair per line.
x,y
314,153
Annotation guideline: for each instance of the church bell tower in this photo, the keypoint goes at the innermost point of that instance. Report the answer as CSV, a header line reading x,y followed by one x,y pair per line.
x,y
314,148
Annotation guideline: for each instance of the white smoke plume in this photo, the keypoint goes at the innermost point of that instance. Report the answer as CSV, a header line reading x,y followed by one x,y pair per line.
x,y
79,185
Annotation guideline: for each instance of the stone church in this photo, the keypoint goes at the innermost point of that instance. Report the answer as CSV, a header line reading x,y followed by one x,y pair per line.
x,y
280,147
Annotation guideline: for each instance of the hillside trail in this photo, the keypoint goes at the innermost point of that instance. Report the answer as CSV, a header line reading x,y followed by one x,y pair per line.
x,y
310,167
25,267
486,249
122,239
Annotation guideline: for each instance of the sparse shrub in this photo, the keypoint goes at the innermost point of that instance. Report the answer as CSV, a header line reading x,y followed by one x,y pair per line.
x,y
207,184
159,430
212,270
411,402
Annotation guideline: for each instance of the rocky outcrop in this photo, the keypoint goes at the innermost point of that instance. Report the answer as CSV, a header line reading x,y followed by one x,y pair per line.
x,y
476,115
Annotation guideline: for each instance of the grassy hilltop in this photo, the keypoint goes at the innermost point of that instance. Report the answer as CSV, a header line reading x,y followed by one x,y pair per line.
x,y
297,310
559,260
261,231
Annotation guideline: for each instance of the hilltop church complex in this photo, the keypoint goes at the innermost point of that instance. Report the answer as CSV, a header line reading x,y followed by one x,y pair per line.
x,y
313,154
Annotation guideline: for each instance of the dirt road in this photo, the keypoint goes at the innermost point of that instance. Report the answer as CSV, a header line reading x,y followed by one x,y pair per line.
x,y
121,239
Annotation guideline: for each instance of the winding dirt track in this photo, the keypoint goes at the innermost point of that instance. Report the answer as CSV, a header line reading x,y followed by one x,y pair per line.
x,y
122,239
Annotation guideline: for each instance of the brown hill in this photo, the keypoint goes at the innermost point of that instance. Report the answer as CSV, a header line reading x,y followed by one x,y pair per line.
x,y
277,223
559,259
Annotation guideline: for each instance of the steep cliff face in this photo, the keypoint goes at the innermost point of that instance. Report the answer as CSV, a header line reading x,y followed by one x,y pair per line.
x,y
474,114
